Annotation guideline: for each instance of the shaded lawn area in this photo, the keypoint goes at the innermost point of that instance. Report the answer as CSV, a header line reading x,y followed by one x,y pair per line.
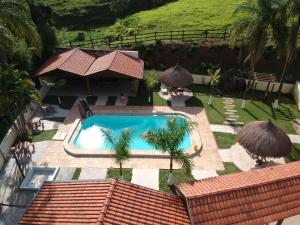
x,y
66,101
224,140
179,177
142,97
115,173
295,154
229,169
76,174
258,109
44,135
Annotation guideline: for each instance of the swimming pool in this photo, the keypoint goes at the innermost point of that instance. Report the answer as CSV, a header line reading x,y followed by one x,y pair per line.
x,y
90,135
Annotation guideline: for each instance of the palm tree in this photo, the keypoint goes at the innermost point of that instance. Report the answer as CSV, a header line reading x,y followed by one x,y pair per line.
x,y
17,92
168,140
120,145
294,10
151,81
214,80
254,19
15,24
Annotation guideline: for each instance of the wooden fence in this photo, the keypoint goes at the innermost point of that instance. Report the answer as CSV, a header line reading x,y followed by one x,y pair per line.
x,y
149,38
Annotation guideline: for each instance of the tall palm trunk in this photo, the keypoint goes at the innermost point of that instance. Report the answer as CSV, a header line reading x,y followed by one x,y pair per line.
x,y
249,84
171,177
292,46
121,170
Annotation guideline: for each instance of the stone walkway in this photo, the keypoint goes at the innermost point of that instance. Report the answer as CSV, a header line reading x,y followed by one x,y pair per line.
x,y
121,102
203,174
238,155
88,173
231,117
146,177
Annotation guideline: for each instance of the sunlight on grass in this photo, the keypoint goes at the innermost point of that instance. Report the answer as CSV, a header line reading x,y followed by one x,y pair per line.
x,y
229,169
115,173
224,140
44,135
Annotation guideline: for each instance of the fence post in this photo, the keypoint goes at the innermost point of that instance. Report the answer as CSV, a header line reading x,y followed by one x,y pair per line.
x,y
182,35
91,41
171,36
225,32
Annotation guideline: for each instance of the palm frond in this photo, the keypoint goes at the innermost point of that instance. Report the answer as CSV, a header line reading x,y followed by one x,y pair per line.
x,y
184,161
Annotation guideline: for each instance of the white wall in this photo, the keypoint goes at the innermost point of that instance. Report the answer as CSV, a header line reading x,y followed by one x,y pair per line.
x,y
10,136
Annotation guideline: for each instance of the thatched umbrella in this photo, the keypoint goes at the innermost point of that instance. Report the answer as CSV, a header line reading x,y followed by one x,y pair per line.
x,y
176,77
263,139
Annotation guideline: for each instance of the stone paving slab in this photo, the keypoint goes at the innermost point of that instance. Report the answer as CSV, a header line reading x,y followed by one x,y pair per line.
x,y
101,100
50,125
65,174
233,123
146,177
89,173
202,174
224,128
11,215
294,138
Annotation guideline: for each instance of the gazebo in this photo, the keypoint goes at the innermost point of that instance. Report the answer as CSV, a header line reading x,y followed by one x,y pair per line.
x,y
263,139
176,77
110,68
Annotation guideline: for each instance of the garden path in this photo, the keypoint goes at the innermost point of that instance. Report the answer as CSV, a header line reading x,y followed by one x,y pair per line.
x,y
202,174
89,173
231,117
146,177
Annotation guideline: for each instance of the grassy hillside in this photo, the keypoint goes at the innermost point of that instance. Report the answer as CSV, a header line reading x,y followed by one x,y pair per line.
x,y
181,14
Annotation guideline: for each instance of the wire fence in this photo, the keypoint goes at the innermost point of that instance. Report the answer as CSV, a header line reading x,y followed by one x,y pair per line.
x,y
152,37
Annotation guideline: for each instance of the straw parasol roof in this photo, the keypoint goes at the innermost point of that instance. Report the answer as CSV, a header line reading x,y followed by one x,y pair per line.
x,y
176,77
264,139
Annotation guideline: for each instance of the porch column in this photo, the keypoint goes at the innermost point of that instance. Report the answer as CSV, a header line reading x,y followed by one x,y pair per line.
x,y
88,86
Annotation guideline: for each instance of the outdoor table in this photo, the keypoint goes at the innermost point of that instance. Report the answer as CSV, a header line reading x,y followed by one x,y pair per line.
x,y
36,122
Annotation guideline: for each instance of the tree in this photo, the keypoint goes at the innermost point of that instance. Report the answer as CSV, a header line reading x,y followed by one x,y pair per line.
x,y
214,80
17,92
168,140
120,145
294,10
255,18
151,81
16,24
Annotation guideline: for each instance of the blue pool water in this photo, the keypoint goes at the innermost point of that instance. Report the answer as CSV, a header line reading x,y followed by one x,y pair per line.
x,y
90,135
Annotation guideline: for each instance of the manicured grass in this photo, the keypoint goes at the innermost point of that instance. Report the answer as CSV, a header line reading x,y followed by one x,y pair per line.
x,y
258,109
111,100
115,173
295,154
76,174
229,169
179,177
44,135
56,119
224,140
177,15
66,101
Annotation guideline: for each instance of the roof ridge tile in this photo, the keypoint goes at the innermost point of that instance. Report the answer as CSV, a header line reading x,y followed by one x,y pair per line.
x,y
107,201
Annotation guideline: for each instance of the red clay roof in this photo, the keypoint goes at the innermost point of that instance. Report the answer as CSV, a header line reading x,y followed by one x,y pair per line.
x,y
103,202
250,198
80,63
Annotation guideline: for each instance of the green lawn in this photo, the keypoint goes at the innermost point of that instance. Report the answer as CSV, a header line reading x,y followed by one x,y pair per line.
x,y
66,101
180,14
258,109
115,173
229,169
295,153
224,140
76,174
179,176
44,135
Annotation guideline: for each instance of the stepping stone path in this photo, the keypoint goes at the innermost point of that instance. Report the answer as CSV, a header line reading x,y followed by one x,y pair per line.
x,y
146,177
203,174
231,117
92,173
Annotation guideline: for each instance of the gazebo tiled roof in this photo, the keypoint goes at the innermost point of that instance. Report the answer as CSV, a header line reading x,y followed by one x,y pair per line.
x,y
103,202
80,63
251,198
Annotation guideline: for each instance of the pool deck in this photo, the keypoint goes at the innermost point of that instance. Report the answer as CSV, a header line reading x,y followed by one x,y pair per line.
x,y
208,159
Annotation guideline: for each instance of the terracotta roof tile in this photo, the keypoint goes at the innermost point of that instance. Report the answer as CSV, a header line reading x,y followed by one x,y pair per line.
x,y
80,63
103,202
255,197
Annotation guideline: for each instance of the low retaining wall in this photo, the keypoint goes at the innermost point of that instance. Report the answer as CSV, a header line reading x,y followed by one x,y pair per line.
x,y
10,136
